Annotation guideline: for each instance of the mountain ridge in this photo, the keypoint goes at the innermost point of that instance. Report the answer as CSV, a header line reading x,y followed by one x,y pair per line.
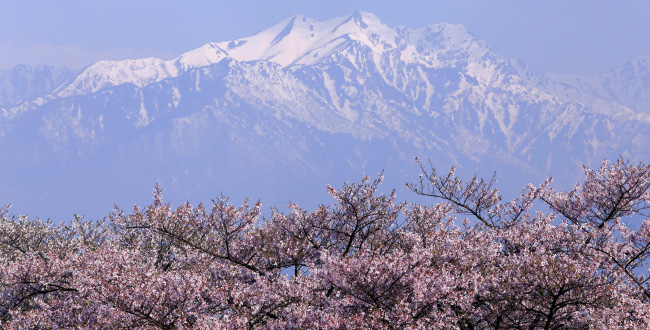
x,y
24,82
265,45
276,111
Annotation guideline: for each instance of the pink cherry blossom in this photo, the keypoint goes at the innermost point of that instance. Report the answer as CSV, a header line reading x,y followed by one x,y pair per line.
x,y
468,260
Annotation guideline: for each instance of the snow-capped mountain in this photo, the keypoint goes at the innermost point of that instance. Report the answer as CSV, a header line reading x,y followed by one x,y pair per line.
x,y
307,103
295,42
628,85
24,82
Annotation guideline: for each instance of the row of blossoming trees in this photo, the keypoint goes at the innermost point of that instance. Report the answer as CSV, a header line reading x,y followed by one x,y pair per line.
x,y
471,261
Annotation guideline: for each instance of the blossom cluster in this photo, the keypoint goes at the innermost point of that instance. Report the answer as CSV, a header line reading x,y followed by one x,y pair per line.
x,y
467,261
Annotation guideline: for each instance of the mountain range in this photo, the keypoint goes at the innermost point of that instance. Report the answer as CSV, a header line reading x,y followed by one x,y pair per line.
x,y
302,104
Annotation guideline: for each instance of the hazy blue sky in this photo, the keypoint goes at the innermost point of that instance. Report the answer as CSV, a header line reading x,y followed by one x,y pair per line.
x,y
565,36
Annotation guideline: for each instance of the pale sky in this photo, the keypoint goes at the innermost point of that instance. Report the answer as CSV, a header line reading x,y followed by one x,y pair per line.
x,y
562,36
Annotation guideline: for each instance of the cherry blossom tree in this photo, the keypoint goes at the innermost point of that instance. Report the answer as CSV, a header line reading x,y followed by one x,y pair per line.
x,y
468,260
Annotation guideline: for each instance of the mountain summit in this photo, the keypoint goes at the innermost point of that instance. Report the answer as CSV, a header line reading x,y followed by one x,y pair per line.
x,y
294,42
306,103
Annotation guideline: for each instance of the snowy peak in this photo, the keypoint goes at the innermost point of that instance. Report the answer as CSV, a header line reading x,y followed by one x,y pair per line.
x,y
296,41
636,69
24,82
140,72
300,40
362,20
205,55
281,43
366,23
451,35
445,37
286,43
628,84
